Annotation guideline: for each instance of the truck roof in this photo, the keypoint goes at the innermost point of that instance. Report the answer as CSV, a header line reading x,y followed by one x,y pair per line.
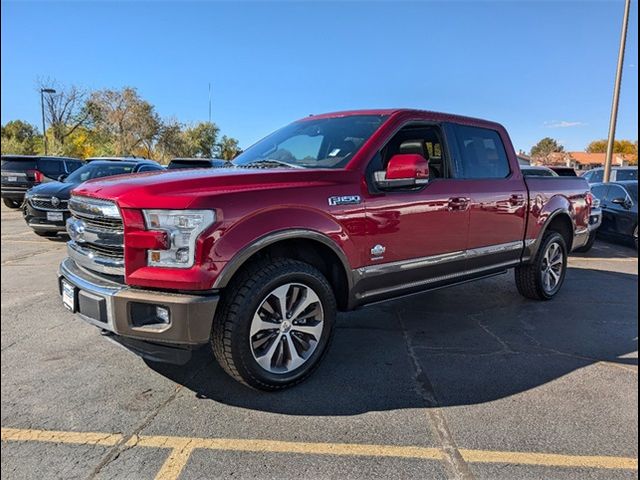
x,y
436,116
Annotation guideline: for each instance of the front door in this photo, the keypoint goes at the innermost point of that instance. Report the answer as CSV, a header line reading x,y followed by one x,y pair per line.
x,y
417,237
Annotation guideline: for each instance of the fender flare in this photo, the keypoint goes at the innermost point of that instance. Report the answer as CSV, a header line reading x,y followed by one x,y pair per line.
x,y
240,258
532,249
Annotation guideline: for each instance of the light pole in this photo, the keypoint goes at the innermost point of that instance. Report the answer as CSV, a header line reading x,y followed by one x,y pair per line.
x,y
616,94
44,131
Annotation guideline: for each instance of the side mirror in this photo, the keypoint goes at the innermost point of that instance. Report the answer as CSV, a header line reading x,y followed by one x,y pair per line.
x,y
62,177
404,170
621,201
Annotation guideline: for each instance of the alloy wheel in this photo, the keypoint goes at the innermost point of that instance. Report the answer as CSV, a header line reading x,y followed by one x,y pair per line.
x,y
286,328
552,267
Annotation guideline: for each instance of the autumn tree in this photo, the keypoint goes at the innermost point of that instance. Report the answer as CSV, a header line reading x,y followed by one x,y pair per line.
x,y
228,148
65,111
124,117
619,146
546,146
201,139
171,142
20,138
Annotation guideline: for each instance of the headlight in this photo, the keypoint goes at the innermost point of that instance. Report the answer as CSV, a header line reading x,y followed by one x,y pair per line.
x,y
183,228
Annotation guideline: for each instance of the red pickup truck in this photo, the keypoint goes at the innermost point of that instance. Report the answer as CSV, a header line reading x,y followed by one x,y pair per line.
x,y
327,214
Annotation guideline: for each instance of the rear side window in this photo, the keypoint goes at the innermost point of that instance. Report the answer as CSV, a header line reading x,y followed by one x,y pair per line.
x,y
17,164
595,176
483,153
51,168
73,165
627,175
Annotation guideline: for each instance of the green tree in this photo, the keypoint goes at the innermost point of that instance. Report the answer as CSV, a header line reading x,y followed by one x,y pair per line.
x,y
171,142
20,138
228,148
201,139
546,146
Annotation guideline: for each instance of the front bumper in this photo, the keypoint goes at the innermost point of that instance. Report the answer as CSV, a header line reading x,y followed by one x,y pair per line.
x,y
41,219
114,308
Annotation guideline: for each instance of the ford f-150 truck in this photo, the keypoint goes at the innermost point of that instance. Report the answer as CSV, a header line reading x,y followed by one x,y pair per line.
x,y
327,214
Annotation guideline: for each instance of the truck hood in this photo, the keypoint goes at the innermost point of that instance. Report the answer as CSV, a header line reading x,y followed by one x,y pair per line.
x,y
180,189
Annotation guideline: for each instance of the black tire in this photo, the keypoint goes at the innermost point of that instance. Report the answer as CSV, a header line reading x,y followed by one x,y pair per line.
x,y
231,341
45,233
10,203
587,246
529,277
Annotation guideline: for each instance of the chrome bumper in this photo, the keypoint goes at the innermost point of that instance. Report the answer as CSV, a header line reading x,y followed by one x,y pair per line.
x,y
112,307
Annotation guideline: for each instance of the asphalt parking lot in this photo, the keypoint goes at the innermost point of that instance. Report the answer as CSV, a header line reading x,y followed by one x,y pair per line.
x,y
468,382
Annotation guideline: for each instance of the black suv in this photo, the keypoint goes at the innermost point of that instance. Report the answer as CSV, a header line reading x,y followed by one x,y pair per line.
x,y
46,206
21,172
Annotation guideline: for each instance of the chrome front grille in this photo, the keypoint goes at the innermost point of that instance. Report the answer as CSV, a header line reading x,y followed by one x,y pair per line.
x,y
97,235
43,203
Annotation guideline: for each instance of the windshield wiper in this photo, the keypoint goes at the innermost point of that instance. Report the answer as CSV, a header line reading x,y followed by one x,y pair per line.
x,y
270,162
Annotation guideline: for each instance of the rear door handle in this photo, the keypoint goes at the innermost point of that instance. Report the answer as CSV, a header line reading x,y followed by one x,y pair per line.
x,y
516,200
458,203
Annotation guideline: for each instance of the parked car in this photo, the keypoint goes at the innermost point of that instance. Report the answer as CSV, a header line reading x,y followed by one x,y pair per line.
x,y
197,163
564,171
531,171
617,174
46,207
21,172
619,210
329,213
595,220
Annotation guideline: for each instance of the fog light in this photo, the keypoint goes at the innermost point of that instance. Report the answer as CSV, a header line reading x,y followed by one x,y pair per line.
x,y
162,314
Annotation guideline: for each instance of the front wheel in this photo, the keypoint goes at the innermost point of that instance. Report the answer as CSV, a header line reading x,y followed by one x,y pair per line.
x,y
10,203
542,278
274,324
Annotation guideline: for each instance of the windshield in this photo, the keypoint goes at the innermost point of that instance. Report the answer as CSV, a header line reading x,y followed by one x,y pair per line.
x,y
630,174
99,169
319,143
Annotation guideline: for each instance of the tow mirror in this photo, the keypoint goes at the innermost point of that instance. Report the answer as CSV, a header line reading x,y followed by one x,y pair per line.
x,y
403,170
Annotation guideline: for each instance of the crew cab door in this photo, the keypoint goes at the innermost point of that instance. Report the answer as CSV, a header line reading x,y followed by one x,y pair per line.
x,y
416,236
497,195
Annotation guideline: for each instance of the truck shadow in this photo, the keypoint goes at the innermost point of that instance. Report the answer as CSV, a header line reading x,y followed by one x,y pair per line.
x,y
465,345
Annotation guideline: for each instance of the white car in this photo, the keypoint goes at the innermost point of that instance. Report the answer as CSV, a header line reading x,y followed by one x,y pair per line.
x,y
617,174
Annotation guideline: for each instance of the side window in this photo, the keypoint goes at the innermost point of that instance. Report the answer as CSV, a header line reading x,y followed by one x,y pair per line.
x,y
483,153
616,191
600,191
596,176
51,168
72,165
148,168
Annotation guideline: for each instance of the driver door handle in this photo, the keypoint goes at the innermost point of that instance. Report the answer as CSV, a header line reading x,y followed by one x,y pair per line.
x,y
458,204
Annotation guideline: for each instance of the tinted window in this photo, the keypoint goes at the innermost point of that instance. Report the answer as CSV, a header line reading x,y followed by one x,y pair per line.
x,y
483,154
18,164
99,169
537,172
73,165
599,191
313,143
50,167
631,174
149,168
616,191
595,176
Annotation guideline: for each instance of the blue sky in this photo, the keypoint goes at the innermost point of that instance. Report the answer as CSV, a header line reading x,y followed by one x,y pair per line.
x,y
541,68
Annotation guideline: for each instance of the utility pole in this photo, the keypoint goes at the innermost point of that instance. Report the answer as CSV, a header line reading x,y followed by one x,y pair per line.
x,y
44,130
616,93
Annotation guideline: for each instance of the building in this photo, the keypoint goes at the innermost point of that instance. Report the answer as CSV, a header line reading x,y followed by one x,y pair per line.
x,y
581,160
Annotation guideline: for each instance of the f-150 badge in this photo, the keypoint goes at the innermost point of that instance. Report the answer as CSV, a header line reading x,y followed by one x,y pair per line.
x,y
344,200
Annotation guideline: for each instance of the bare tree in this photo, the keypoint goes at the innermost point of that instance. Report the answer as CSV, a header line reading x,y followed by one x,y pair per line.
x,y
65,110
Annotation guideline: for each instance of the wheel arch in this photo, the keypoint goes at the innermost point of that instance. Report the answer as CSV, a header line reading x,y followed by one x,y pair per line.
x,y
309,246
558,221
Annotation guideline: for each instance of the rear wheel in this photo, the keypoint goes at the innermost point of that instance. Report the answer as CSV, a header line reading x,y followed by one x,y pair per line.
x,y
274,324
542,278
10,203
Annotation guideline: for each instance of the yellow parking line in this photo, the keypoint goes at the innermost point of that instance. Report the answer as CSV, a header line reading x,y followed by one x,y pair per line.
x,y
182,447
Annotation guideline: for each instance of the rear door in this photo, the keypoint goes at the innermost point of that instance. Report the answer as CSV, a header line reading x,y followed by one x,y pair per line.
x,y
617,219
497,196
